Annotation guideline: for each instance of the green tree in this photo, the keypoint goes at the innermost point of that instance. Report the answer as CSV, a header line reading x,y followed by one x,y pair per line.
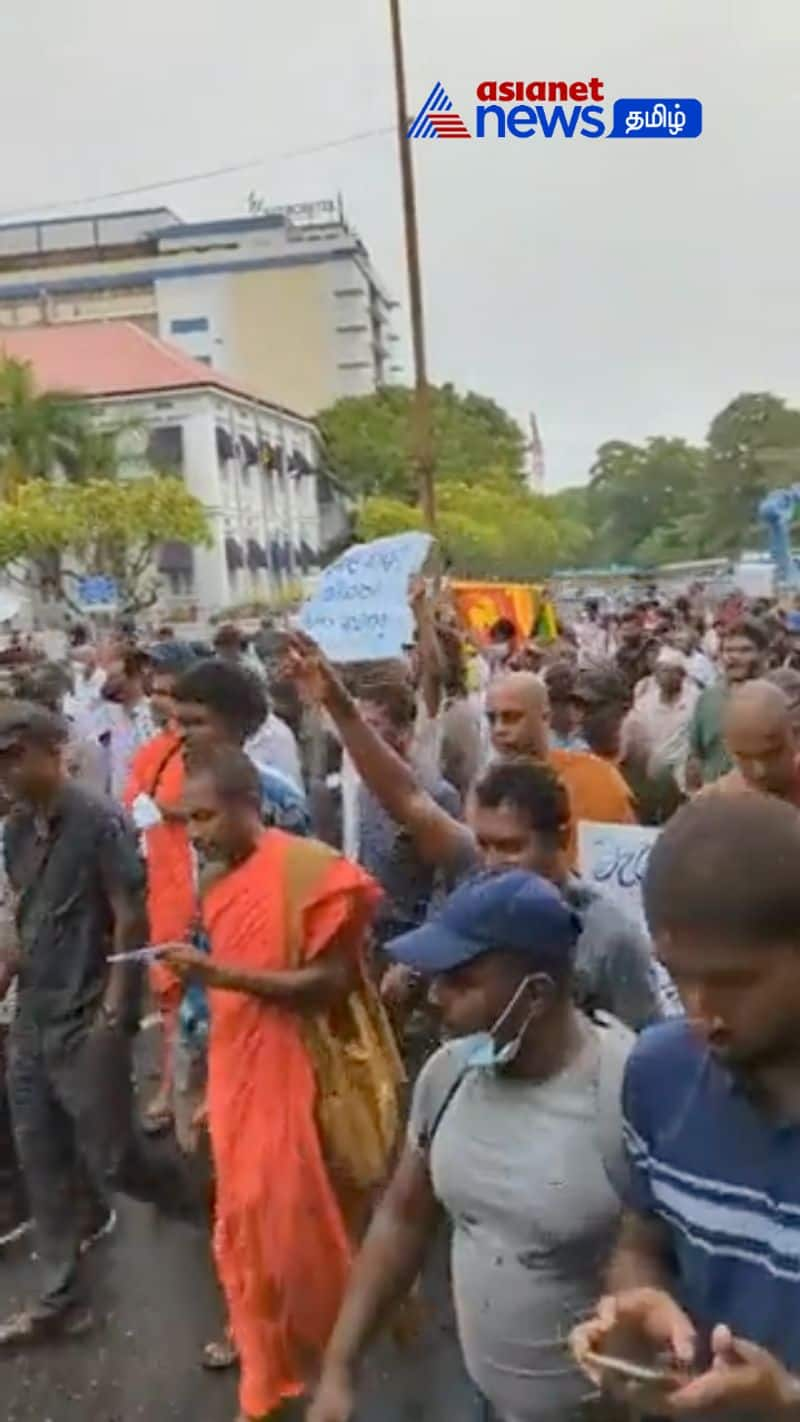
x,y
753,446
499,530
637,492
368,439
41,432
60,531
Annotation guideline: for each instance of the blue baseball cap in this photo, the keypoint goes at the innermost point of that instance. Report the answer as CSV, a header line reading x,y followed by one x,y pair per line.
x,y
511,909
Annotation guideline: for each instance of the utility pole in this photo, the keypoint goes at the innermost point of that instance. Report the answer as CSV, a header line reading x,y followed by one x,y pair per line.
x,y
422,443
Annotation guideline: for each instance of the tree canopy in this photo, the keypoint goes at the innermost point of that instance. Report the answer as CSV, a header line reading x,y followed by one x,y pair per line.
x,y
666,499
368,440
59,531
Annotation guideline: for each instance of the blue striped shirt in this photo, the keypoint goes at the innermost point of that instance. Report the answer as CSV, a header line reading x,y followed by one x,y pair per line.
x,y
725,1181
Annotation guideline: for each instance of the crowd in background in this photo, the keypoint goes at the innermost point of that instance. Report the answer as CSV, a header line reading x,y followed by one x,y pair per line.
x,y
286,867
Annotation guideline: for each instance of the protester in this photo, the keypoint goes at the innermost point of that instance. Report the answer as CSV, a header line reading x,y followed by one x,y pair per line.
x,y
231,645
704,1278
595,640
515,1138
761,738
565,714
128,719
84,704
597,788
743,652
699,667
72,864
384,849
153,795
286,920
221,702
787,679
634,651
793,635
48,685
657,729
461,751
518,814
15,1218
214,704
275,744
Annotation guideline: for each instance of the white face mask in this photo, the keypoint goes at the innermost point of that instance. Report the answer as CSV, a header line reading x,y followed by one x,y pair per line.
x,y
487,1052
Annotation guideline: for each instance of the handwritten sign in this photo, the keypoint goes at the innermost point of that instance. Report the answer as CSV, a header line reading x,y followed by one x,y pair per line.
x,y
359,611
613,859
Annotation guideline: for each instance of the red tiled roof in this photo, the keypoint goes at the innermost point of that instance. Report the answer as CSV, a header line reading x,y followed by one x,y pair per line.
x,y
110,358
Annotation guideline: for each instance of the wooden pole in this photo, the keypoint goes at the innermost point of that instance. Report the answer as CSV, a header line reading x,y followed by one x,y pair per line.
x,y
422,441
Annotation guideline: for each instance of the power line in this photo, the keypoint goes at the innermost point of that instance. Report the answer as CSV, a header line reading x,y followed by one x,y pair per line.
x,y
200,176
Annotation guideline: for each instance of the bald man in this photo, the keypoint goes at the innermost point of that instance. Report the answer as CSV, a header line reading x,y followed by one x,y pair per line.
x,y
761,737
518,713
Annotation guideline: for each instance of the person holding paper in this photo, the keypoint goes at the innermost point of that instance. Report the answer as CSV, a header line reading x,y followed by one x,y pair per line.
x,y
153,796
518,814
286,919
74,870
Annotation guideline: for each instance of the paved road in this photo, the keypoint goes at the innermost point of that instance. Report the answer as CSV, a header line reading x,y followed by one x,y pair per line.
x,y
157,1304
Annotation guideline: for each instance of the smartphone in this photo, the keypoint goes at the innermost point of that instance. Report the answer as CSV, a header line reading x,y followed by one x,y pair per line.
x,y
634,1372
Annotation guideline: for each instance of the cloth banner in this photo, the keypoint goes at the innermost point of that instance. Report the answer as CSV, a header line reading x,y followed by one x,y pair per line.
x,y
481,604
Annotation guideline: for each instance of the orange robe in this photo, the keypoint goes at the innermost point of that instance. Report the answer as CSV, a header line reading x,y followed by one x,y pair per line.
x,y
280,1242
157,771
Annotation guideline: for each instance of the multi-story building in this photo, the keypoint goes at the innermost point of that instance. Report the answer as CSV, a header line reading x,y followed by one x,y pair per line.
x,y
285,302
273,512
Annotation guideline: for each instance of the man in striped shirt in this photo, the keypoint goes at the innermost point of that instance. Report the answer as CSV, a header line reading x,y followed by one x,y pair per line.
x,y
706,1273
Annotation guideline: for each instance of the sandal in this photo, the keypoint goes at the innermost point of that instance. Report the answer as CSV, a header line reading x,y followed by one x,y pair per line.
x,y
34,1326
219,1355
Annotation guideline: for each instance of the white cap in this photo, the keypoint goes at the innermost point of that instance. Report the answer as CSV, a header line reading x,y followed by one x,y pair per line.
x,y
671,657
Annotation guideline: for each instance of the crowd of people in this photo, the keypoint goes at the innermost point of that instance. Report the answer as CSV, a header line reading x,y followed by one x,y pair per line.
x,y
348,901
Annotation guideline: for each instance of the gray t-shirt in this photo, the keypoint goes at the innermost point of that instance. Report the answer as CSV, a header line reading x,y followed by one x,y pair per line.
x,y
522,1169
614,966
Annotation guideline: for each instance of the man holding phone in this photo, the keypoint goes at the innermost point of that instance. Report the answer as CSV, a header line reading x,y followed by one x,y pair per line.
x,y
704,1285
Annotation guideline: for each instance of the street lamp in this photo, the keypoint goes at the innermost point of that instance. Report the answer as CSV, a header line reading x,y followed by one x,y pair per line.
x,y
422,441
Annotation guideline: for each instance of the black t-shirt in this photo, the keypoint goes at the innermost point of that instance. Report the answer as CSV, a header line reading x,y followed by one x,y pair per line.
x,y
64,869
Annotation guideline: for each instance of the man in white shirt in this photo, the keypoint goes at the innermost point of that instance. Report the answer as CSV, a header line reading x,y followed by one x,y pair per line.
x,y
275,744
128,720
657,729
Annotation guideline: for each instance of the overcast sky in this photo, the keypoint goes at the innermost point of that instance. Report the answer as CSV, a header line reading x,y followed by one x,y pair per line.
x,y
620,289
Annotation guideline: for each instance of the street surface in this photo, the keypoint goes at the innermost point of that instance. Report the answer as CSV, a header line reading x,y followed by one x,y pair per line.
x,y
157,1305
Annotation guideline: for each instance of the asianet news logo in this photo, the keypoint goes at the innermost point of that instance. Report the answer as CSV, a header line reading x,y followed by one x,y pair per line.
x,y
553,108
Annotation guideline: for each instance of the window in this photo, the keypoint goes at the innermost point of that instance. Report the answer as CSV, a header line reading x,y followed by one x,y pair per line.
x,y
188,325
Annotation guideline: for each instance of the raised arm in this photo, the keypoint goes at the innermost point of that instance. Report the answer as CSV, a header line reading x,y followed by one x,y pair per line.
x,y
438,838
431,662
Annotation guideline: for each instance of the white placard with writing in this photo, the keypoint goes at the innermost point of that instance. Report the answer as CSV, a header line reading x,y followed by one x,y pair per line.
x,y
359,611
613,859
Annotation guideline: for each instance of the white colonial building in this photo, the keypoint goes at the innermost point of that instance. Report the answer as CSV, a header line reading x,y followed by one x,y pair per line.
x,y
273,511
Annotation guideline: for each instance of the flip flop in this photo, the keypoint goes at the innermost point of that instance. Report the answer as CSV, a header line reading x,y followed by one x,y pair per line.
x,y
219,1355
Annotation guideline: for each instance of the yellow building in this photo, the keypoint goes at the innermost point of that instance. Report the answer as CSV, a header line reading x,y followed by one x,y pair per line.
x,y
285,302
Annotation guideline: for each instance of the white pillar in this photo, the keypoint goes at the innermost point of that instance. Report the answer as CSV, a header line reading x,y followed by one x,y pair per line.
x,y
202,475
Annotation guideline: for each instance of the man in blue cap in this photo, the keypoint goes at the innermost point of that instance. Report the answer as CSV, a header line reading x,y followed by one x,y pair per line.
x,y
515,1135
